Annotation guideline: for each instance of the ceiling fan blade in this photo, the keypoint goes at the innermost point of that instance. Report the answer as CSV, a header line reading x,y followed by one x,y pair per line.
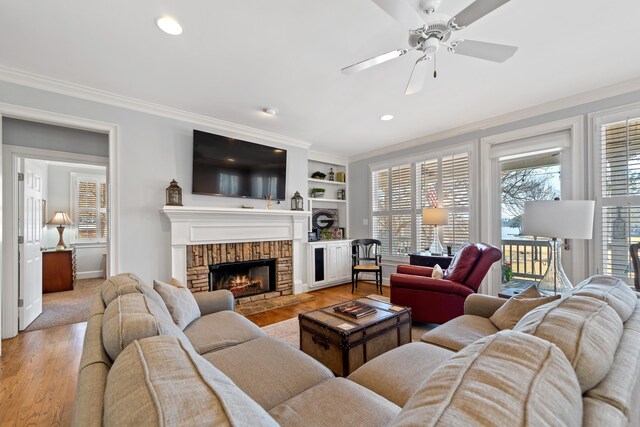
x,y
368,63
401,11
419,73
483,50
475,11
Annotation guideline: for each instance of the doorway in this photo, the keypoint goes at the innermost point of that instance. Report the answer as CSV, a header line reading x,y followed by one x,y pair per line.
x,y
523,178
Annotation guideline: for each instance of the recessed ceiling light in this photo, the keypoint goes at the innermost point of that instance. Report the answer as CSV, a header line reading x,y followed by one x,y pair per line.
x,y
386,117
270,111
230,160
169,25
277,150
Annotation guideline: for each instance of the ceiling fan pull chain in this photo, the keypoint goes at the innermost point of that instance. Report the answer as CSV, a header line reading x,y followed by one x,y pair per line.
x,y
435,73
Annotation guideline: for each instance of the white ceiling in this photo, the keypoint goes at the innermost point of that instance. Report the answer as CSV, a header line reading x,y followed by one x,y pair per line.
x,y
236,57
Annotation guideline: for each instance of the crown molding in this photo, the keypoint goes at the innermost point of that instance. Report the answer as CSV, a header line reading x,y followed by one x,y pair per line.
x,y
327,158
62,87
526,113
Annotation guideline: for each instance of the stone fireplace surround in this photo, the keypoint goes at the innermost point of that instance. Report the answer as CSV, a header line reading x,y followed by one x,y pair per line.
x,y
199,257
239,231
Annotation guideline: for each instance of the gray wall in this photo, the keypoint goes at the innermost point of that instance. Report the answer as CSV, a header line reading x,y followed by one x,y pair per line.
x,y
152,151
56,138
359,170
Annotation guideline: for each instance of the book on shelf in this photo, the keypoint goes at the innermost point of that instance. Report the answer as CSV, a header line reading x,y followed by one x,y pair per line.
x,y
355,309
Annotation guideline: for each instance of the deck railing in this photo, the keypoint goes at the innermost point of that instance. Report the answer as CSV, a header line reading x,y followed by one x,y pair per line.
x,y
529,258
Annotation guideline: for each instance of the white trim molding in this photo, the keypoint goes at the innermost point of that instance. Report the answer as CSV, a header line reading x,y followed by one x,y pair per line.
x,y
206,225
62,87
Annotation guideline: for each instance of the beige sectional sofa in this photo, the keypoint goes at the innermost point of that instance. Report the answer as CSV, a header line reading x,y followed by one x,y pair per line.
x,y
570,362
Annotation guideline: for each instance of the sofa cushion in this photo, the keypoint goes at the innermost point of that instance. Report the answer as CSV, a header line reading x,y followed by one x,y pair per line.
x,y
512,311
458,333
587,330
335,402
159,381
269,370
179,300
598,413
507,379
397,374
220,330
611,290
132,317
462,263
127,283
617,387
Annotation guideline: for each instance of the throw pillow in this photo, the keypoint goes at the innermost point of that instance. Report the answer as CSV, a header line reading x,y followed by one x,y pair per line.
x,y
179,300
437,272
530,292
507,316
462,263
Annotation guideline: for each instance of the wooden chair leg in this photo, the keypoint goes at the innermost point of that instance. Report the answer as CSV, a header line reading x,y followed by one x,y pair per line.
x,y
352,280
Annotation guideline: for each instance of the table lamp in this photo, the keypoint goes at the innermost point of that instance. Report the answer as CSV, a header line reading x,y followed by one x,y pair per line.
x,y
435,217
60,219
558,219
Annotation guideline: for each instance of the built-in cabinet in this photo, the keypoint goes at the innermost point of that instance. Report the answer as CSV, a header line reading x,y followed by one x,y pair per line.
x,y
328,194
329,263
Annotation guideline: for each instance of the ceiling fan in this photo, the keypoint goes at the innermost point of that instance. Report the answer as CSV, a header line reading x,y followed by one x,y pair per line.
x,y
429,31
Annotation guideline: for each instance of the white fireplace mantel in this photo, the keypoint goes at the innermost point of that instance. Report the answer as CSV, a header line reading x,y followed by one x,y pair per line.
x,y
209,225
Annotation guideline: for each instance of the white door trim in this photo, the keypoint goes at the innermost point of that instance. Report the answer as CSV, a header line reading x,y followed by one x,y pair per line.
x,y
9,237
490,229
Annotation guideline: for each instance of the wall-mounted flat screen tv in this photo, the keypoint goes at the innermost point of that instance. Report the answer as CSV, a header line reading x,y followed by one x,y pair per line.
x,y
230,167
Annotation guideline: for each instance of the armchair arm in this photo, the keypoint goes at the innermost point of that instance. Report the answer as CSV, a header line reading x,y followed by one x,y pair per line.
x,y
415,270
482,305
212,302
428,284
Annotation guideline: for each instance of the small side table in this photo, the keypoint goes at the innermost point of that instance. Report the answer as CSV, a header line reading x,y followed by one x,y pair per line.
x,y
58,270
425,259
509,292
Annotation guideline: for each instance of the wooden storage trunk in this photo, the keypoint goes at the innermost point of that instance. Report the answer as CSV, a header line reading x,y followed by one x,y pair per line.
x,y
343,343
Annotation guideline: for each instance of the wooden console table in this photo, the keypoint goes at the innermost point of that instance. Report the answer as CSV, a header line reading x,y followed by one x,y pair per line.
x,y
425,259
58,270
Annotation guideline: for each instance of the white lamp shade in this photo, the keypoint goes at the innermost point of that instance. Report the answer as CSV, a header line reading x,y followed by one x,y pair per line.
x,y
435,216
60,218
564,219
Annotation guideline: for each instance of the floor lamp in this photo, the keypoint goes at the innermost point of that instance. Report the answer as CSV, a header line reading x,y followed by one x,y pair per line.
x,y
558,219
435,217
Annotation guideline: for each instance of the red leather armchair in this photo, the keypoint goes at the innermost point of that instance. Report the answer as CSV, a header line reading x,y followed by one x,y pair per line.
x,y
440,300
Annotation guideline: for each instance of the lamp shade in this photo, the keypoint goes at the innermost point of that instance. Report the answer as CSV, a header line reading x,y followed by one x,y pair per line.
x,y
435,216
60,218
565,219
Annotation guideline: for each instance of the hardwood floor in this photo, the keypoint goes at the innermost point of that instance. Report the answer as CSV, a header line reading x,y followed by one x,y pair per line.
x,y
38,370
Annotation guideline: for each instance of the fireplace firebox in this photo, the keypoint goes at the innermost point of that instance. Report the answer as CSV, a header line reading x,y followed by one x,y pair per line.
x,y
244,278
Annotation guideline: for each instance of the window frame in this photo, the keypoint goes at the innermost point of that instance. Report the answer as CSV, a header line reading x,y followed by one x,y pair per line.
x,y
598,120
100,179
415,211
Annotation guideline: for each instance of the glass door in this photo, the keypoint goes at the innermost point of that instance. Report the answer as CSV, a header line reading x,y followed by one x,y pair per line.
x,y
525,177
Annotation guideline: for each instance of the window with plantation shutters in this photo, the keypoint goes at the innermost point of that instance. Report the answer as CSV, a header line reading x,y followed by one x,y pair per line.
x,y
89,207
398,194
619,194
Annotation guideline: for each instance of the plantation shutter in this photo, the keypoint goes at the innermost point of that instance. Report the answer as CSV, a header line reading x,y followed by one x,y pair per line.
x,y
428,193
90,207
401,209
455,197
620,194
380,208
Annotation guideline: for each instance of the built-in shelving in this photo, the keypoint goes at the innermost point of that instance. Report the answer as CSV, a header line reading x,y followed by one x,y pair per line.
x,y
325,181
333,189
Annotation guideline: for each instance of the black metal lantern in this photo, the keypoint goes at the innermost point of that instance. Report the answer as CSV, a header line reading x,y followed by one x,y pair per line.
x,y
296,202
174,194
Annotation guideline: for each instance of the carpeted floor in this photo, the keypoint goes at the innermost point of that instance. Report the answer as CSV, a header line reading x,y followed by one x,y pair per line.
x,y
65,308
289,331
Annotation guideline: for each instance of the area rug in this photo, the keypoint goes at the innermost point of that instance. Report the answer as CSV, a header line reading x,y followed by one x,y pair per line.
x,y
249,308
289,331
65,308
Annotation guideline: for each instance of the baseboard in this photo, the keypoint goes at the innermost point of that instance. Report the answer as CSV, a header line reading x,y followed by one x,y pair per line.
x,y
90,274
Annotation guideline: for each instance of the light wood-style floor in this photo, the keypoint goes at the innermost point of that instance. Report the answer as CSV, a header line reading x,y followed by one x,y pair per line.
x,y
38,370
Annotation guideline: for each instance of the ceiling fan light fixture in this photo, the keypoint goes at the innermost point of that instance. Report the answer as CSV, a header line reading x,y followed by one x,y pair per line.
x,y
386,117
169,25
